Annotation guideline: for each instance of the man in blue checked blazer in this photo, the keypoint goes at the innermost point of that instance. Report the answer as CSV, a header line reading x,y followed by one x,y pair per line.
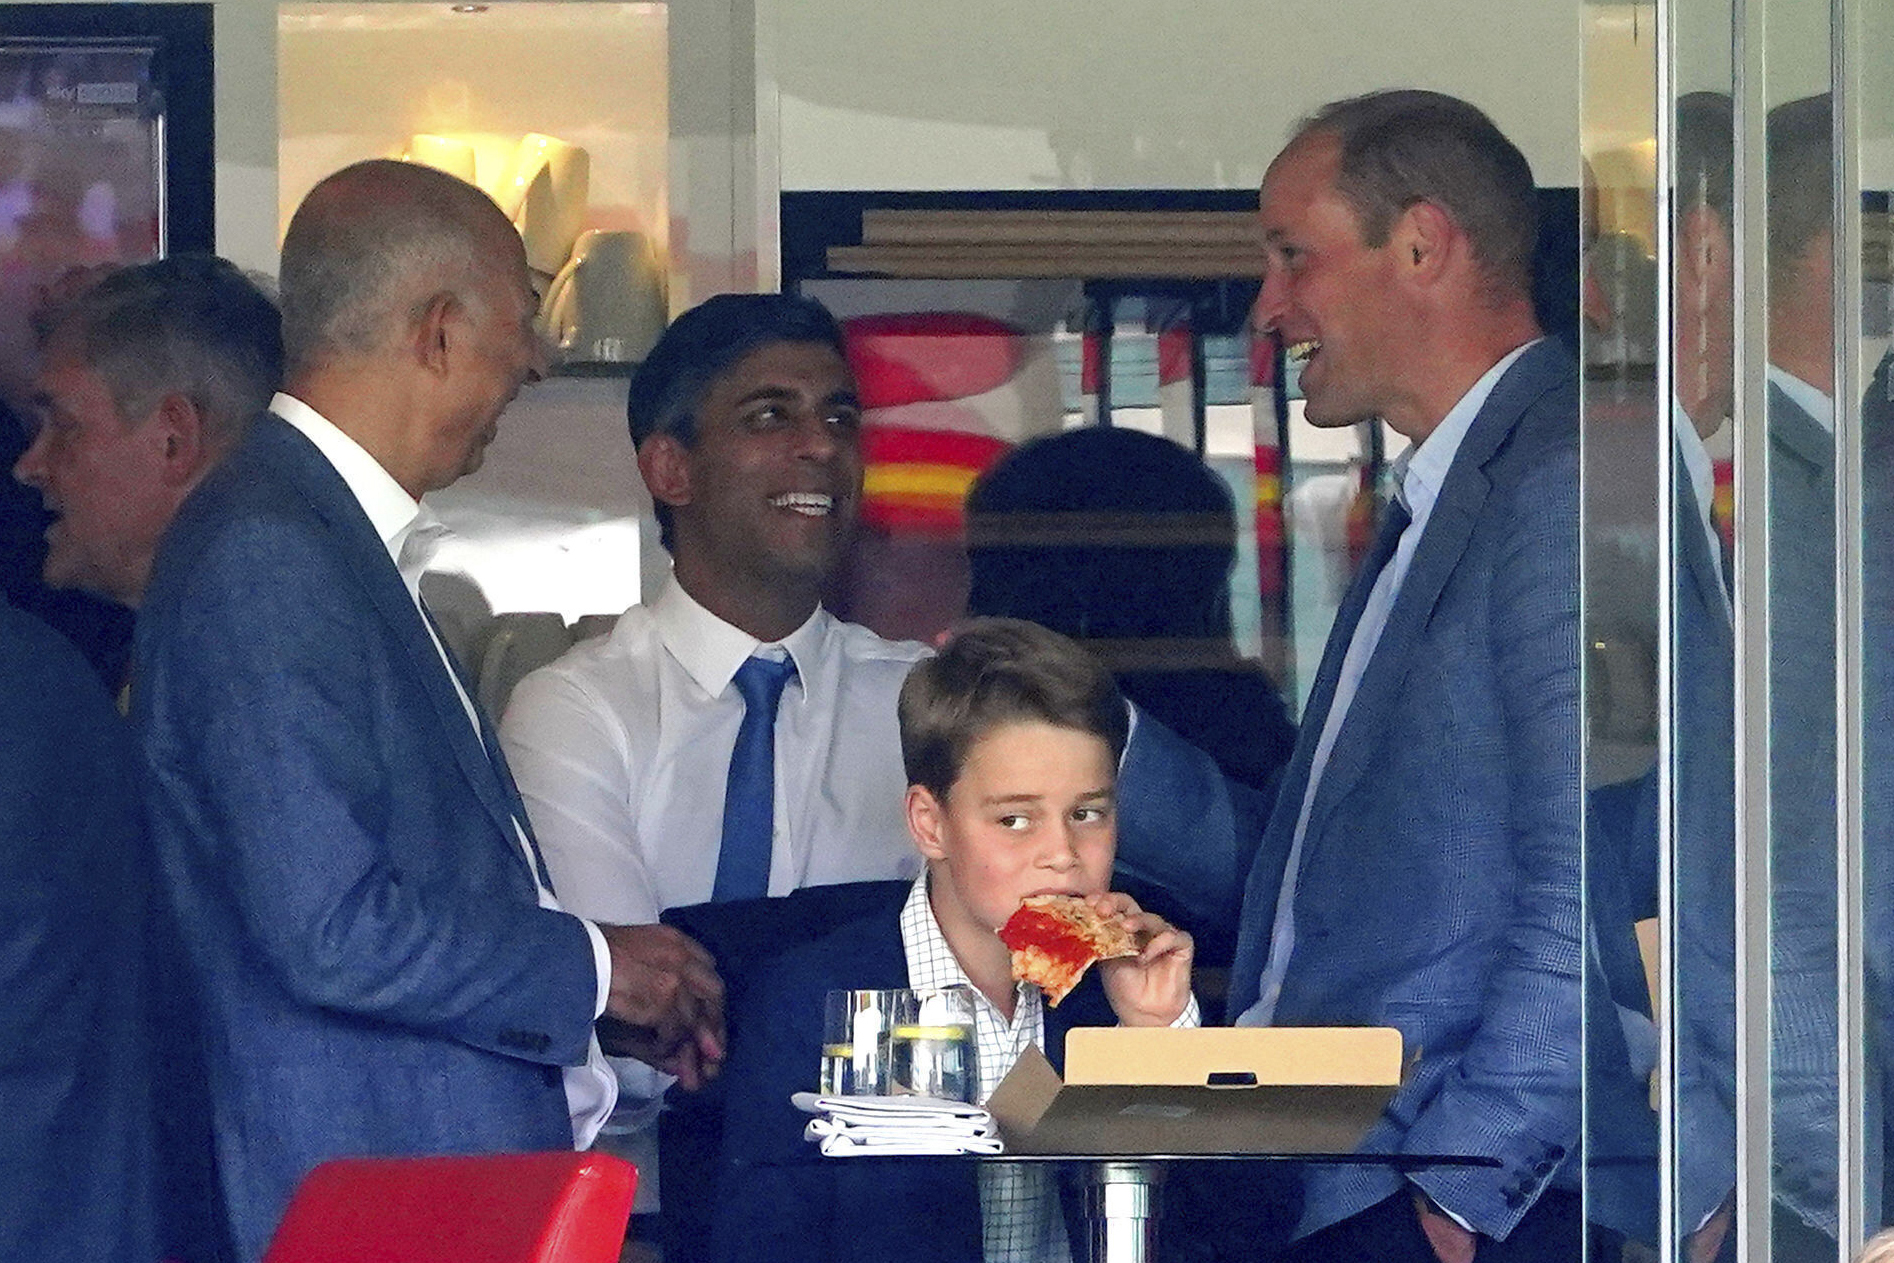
x,y
1422,866
382,964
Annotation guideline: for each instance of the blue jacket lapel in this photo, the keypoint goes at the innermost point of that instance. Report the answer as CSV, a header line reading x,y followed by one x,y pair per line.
x,y
309,472
1442,544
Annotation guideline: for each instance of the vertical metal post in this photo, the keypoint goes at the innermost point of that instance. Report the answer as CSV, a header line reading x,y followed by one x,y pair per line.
x,y
1845,68
1670,1232
1754,897
1121,1205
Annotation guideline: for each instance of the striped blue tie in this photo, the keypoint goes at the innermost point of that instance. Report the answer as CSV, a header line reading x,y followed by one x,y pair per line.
x,y
749,807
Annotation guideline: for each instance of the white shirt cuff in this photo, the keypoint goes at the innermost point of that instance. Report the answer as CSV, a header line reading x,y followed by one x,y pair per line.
x,y
602,960
1191,1017
1448,1212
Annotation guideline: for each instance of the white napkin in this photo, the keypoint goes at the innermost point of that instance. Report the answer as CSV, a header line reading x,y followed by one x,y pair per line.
x,y
896,1126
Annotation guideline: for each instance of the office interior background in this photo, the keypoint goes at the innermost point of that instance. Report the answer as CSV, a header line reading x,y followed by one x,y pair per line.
x,y
729,134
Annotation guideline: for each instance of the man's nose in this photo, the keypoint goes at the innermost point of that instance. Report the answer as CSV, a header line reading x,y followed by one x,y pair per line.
x,y
539,357
31,467
816,437
1271,301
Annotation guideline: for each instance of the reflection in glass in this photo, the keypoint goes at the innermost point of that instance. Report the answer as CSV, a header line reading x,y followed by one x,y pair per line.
x,y
1702,681
1802,718
1869,125
1619,303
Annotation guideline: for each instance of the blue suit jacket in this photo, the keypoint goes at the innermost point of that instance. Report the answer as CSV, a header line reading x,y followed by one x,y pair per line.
x,y
1802,807
76,1157
778,1199
376,975
1439,887
1622,875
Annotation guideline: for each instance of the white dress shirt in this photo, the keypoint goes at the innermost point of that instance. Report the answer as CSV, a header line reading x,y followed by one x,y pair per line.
x,y
399,519
622,750
1808,398
1020,1220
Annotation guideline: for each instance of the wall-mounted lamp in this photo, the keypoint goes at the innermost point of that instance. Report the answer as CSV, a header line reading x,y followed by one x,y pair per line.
x,y
469,8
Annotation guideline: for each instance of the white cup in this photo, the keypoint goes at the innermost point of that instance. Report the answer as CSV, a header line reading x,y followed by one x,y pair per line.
x,y
607,304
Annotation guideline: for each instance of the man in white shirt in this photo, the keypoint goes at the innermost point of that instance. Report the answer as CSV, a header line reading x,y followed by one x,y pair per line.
x,y
747,425
381,962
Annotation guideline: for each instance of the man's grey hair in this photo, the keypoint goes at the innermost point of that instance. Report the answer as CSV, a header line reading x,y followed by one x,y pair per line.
x,y
368,249
1405,146
193,325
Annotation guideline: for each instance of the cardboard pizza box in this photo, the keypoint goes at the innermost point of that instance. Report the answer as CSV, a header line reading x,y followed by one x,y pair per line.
x,y
1144,1090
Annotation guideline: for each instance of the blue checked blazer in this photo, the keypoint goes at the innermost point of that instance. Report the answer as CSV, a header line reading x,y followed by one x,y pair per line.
x,y
1440,881
375,972
1802,805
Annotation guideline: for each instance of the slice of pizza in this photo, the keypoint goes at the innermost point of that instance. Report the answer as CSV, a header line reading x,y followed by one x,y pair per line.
x,y
1055,938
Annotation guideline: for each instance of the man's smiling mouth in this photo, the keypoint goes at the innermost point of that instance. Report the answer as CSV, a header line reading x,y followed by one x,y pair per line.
x,y
807,503
1304,351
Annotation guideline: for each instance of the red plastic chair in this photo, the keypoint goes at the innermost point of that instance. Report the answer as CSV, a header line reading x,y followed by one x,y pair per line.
x,y
503,1208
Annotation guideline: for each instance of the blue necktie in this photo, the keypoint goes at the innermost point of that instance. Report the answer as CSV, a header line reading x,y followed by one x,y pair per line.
x,y
749,806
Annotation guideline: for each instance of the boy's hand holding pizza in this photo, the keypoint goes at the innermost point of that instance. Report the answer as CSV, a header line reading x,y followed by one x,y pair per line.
x,y
1146,960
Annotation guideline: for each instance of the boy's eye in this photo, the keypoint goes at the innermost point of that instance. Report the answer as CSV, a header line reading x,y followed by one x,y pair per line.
x,y
1016,822
767,417
1091,815
847,419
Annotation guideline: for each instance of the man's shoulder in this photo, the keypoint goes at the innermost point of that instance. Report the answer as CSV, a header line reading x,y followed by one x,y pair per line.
x,y
607,665
1538,396
253,488
1530,450
858,644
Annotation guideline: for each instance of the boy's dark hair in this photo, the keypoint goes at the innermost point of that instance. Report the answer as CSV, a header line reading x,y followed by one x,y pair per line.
x,y
699,347
1001,671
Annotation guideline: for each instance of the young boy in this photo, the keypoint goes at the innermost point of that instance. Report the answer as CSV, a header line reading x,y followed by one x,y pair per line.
x,y
1011,739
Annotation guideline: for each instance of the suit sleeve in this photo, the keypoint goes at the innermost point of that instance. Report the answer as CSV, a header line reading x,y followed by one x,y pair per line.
x,y
259,696
1515,1093
1186,835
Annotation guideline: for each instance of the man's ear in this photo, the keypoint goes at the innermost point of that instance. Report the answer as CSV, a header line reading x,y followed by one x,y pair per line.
x,y
1425,239
178,432
926,822
666,465
433,331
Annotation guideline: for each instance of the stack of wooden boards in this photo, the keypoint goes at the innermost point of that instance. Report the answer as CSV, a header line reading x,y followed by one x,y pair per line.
x,y
1093,245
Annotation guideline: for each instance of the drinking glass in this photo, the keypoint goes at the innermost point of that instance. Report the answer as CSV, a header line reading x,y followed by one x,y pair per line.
x,y
931,1045
855,1043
